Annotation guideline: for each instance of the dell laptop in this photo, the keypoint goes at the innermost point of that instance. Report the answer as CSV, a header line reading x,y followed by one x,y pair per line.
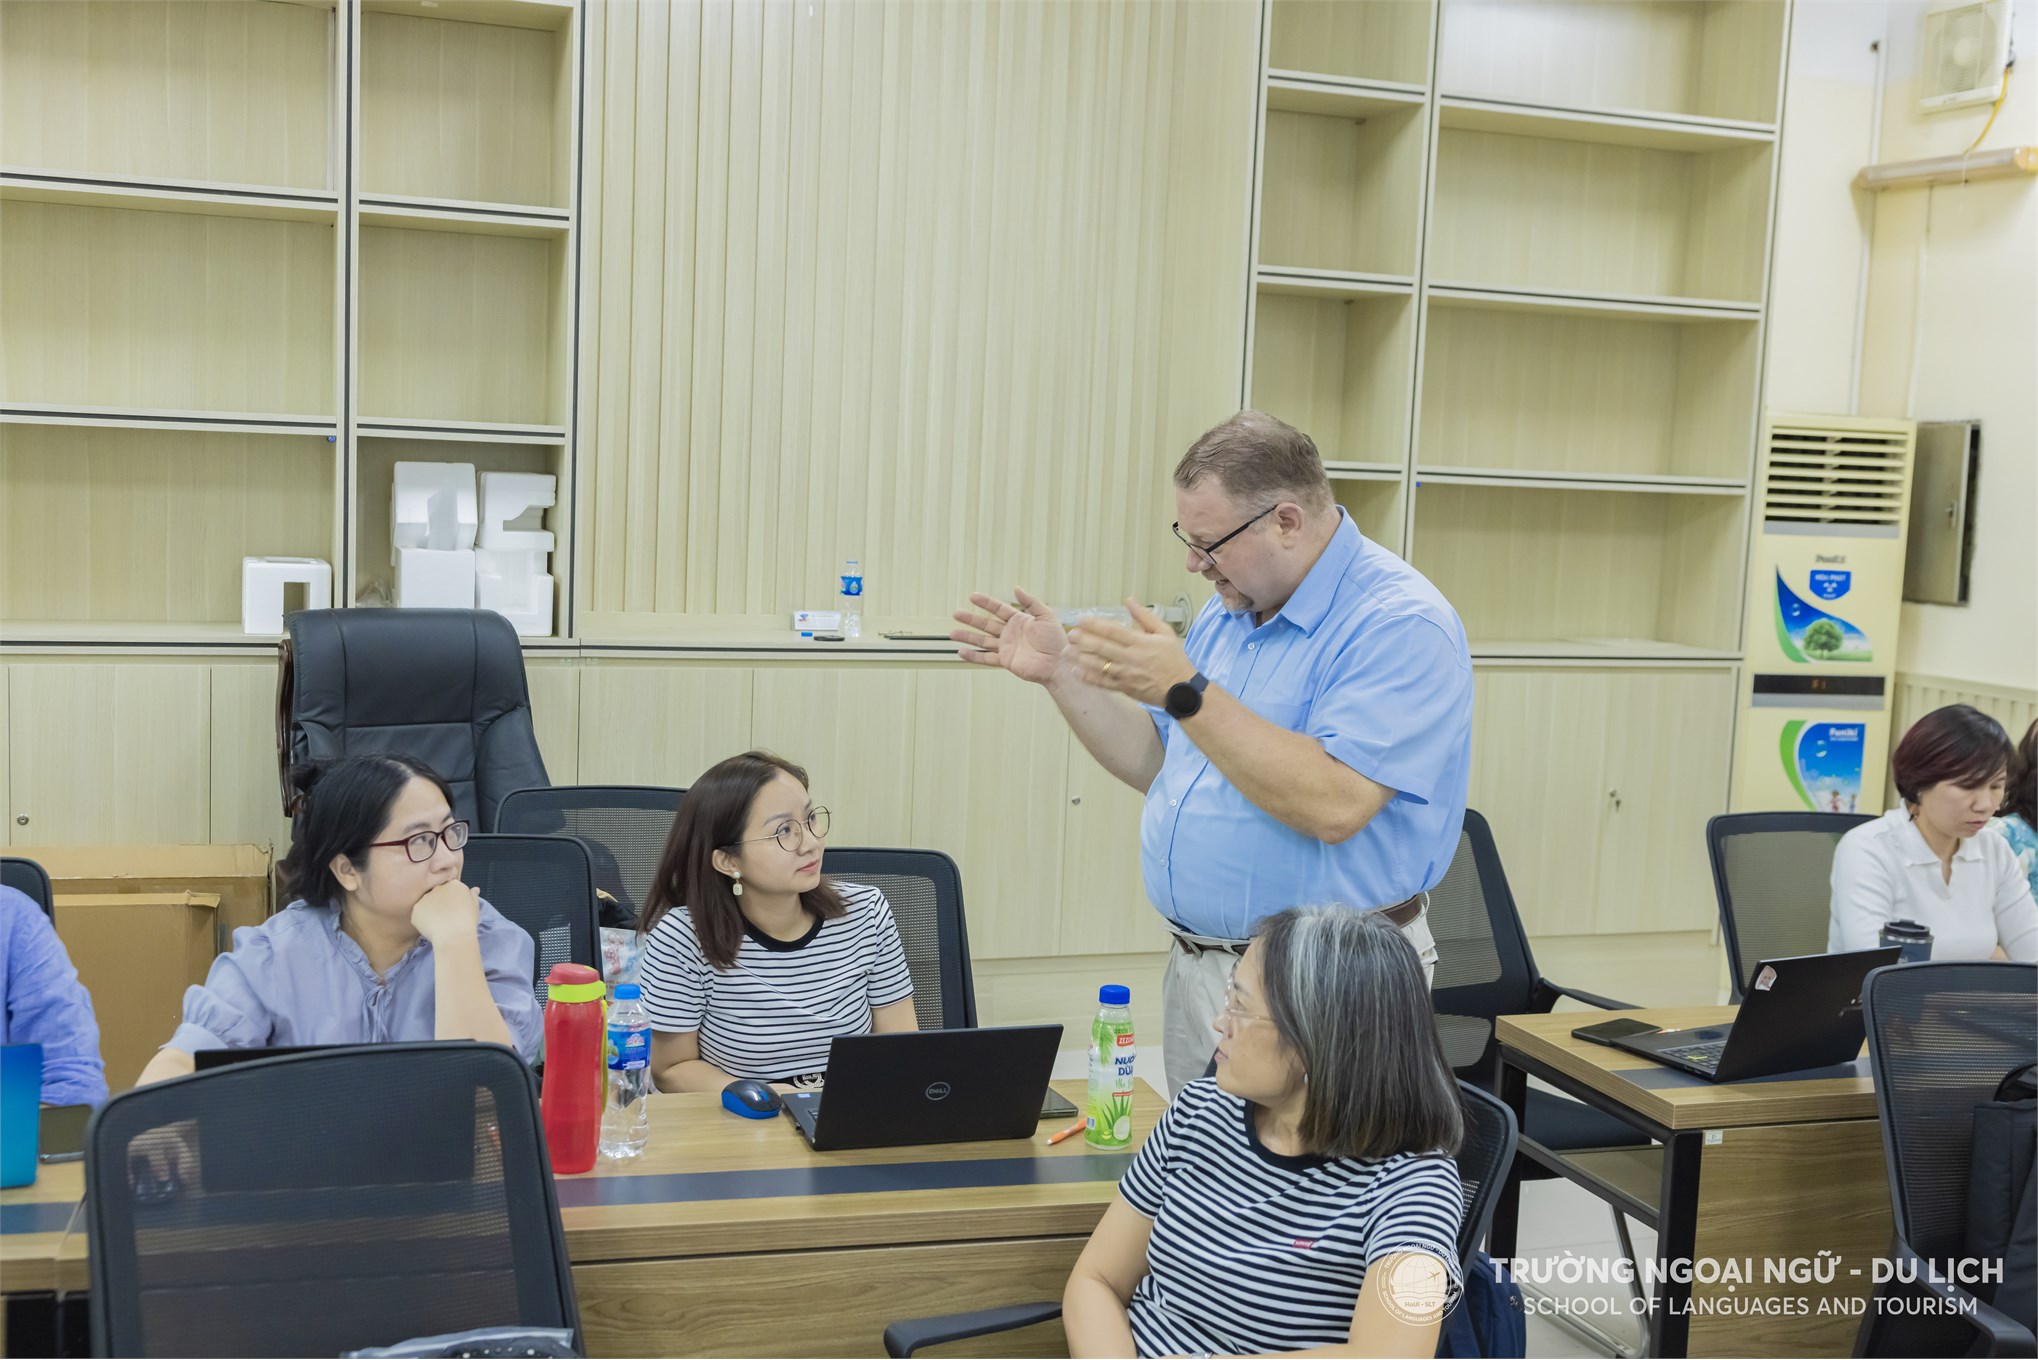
x,y
1798,1014
928,1086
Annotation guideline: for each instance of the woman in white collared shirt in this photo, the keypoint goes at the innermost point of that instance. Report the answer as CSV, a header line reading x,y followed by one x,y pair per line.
x,y
1925,861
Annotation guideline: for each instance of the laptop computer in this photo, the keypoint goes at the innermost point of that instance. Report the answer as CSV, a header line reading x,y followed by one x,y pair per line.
x,y
1799,1013
928,1086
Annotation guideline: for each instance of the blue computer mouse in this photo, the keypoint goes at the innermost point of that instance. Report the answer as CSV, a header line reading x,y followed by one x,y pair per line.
x,y
751,1099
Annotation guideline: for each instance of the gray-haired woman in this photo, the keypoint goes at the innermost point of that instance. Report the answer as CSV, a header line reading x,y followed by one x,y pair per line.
x,y
1303,1199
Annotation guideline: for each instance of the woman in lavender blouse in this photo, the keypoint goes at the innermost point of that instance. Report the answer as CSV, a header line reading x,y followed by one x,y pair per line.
x,y
384,942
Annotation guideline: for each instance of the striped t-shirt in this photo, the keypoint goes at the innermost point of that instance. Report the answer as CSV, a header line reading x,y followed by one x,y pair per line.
x,y
1252,1251
772,1016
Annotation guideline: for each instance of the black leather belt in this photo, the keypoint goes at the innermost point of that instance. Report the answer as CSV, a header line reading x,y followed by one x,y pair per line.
x,y
1401,914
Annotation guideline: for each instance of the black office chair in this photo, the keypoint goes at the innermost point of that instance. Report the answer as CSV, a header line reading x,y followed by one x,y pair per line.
x,y
625,827
1483,1159
446,686
324,1202
1772,873
1941,1037
546,885
925,890
1485,970
31,880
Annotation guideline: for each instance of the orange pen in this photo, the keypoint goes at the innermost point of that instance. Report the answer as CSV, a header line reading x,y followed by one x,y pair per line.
x,y
1074,1128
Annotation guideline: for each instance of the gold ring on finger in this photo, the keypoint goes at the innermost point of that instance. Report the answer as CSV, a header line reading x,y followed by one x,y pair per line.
x,y
1105,674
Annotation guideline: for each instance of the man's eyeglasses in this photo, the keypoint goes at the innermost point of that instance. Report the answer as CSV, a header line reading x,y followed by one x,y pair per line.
x,y
788,833
425,844
1208,555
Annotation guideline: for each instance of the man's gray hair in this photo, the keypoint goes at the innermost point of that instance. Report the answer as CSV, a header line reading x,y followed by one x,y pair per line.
x,y
1259,461
1346,992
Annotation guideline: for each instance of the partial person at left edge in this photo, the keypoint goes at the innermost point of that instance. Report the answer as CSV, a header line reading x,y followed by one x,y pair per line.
x,y
383,943
46,1004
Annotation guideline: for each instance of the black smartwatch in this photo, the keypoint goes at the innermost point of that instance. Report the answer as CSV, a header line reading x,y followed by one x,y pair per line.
x,y
1185,699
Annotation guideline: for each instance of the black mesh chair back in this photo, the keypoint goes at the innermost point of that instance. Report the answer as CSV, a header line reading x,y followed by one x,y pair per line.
x,y
625,827
1483,1159
324,1202
1941,1038
1484,968
1772,873
546,885
925,890
28,878
444,686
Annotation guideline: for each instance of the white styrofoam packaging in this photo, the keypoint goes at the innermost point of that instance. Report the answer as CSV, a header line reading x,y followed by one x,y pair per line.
x,y
505,496
262,583
429,578
516,586
432,505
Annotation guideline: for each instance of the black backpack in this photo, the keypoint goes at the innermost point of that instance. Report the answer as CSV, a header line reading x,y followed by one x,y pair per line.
x,y
2002,1194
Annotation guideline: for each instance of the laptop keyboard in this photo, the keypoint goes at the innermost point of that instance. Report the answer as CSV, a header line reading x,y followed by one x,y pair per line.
x,y
1706,1055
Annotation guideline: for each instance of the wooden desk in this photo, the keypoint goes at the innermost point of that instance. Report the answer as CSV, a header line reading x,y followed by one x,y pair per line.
x,y
733,1237
1780,1167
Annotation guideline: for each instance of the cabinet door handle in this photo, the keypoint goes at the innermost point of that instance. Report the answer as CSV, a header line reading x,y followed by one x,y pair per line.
x,y
1614,794
22,820
1076,801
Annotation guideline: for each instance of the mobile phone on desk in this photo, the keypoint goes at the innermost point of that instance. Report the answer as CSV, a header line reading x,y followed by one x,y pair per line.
x,y
62,1135
1608,1031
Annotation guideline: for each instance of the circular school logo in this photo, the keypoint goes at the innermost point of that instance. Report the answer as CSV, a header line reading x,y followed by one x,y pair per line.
x,y
938,1091
1418,1287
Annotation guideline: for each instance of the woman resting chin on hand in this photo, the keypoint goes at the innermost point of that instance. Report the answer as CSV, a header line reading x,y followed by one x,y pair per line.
x,y
384,942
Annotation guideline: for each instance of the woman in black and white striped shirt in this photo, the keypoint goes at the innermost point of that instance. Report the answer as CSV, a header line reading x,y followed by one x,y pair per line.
x,y
1303,1199
752,961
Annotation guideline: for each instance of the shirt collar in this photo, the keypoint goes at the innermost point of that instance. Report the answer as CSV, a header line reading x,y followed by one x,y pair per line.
x,y
1311,601
1912,841
347,948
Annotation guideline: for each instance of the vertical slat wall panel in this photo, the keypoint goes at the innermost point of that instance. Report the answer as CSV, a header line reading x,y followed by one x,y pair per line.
x,y
894,281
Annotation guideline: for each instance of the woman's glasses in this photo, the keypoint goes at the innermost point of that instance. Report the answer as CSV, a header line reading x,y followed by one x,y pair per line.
x,y
788,833
425,844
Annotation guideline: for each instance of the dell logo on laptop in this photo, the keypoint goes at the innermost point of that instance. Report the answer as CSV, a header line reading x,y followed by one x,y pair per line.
x,y
938,1091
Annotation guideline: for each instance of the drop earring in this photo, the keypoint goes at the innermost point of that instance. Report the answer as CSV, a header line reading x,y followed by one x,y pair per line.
x,y
736,887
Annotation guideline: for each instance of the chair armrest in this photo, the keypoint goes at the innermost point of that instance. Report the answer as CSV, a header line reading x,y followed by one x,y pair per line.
x,y
2006,1335
1546,994
905,1338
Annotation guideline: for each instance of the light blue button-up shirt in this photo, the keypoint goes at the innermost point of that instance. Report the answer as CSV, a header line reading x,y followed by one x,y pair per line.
x,y
299,979
42,1002
1368,658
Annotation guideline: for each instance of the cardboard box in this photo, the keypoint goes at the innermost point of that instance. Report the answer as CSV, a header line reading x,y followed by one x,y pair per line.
x,y
238,875
136,953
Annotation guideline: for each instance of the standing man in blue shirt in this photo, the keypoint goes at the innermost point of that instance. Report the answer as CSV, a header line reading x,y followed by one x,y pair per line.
x,y
1309,741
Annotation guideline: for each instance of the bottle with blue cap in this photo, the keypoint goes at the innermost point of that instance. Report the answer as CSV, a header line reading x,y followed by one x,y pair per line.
x,y
1107,1123
625,1122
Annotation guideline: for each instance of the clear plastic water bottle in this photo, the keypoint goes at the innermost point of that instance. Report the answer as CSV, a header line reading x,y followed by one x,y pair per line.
x,y
852,598
625,1122
1108,1120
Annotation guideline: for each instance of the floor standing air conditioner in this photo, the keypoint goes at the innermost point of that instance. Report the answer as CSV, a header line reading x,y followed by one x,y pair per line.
x,y
1825,594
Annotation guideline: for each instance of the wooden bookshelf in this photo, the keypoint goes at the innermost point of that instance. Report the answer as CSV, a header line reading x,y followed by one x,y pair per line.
x,y
254,249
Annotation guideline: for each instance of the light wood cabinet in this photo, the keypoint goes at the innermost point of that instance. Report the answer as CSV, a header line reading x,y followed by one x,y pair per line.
x,y
660,724
990,774
1598,783
102,752
246,795
1104,908
853,731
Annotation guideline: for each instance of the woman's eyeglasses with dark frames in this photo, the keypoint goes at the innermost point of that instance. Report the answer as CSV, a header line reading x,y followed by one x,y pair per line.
x,y
425,844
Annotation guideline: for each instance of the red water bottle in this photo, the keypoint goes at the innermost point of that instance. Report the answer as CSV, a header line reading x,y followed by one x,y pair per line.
x,y
576,1070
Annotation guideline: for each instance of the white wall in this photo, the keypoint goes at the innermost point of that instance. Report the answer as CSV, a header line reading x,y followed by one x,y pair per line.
x,y
1952,332
1821,222
1972,329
